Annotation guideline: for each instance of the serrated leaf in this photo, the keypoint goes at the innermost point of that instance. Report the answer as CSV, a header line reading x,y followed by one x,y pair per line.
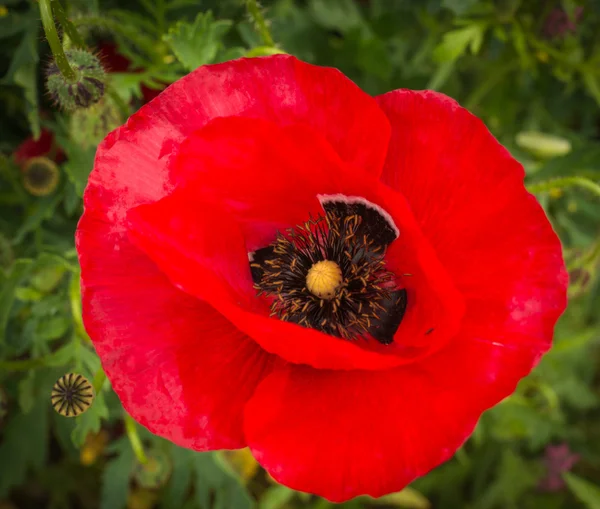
x,y
8,284
210,479
24,443
195,44
115,479
90,421
276,497
455,43
584,490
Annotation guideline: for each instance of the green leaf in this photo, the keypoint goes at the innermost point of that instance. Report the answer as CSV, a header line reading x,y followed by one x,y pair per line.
x,y
23,72
210,479
181,479
458,7
455,43
342,15
8,284
27,392
276,497
42,210
584,490
23,446
90,421
116,476
408,497
196,44
80,161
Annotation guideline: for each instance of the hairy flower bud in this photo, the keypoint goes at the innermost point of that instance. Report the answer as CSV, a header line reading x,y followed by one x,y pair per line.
x,y
85,90
88,127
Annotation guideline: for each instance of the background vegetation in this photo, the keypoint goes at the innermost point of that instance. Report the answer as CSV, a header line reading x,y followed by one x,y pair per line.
x,y
529,68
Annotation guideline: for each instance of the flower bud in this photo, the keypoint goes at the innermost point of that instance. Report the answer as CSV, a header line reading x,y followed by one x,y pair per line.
x,y
89,127
85,90
40,176
155,472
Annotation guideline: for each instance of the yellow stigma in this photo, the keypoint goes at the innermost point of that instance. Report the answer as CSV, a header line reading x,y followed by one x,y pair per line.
x,y
323,279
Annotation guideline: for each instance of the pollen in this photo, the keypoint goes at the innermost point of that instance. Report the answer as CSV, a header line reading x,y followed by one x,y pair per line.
x,y
324,279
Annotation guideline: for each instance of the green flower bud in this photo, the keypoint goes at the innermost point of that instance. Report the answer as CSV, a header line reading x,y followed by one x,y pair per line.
x,y
542,145
40,176
85,90
155,472
90,126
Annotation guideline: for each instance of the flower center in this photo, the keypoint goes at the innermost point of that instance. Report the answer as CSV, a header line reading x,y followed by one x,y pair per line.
x,y
330,274
323,279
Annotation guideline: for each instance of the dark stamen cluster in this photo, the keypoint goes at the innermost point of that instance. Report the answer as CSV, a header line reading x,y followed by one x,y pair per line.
x,y
366,294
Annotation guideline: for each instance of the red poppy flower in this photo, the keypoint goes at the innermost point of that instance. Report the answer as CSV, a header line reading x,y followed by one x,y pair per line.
x,y
44,146
270,257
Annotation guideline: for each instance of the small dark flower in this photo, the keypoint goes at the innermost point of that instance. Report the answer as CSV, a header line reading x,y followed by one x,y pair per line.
x,y
557,459
558,23
40,176
85,90
72,395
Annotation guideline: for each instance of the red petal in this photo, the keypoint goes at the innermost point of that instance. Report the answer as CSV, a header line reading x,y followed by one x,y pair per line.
x,y
201,254
178,366
266,186
131,163
34,148
467,195
342,434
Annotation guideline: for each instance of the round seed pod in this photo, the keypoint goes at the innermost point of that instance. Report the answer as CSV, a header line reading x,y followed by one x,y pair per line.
x,y
72,395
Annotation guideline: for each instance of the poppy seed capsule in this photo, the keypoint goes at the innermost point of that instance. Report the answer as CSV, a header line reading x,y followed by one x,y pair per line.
x,y
85,90
40,176
324,278
72,395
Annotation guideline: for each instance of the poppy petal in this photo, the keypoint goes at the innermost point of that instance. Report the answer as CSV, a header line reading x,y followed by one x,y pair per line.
x,y
467,195
340,434
178,366
235,163
187,244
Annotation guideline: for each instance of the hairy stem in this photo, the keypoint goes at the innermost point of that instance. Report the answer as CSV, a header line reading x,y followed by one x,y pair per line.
x,y
54,41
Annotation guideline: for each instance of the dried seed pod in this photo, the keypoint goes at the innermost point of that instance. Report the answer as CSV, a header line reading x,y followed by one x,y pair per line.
x,y
72,395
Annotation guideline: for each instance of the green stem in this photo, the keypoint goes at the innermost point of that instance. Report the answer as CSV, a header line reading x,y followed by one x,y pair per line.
x,y
98,381
54,42
22,365
134,439
562,182
259,20
68,27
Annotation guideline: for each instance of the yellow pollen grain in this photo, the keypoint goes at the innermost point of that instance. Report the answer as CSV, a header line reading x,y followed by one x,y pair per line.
x,y
323,279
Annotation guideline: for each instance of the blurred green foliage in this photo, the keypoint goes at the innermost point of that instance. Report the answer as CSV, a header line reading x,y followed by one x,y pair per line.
x,y
529,68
